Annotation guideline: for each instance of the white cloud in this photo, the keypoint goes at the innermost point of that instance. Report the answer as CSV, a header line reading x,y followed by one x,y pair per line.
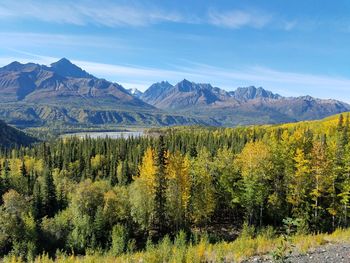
x,y
237,18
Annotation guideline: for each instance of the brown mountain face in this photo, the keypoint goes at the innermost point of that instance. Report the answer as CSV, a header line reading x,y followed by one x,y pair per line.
x,y
64,94
183,95
61,82
245,105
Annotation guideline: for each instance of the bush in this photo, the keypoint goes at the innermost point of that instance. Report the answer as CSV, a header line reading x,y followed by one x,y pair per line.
x,y
119,240
247,231
180,240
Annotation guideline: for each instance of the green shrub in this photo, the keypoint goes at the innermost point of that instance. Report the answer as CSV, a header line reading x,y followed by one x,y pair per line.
x,y
119,240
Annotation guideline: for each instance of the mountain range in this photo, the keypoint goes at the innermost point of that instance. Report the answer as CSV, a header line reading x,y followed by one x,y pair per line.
x,y
64,94
245,105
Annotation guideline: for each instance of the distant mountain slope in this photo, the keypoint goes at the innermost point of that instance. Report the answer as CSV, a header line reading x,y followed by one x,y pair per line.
x,y
37,95
248,105
184,94
63,95
135,92
250,93
63,82
12,137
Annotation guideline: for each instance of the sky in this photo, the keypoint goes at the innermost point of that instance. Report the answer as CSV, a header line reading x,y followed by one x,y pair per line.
x,y
294,48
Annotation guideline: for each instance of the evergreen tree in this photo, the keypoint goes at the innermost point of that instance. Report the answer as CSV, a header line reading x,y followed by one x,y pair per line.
x,y
48,193
99,226
2,188
340,123
6,176
119,240
37,201
23,170
160,217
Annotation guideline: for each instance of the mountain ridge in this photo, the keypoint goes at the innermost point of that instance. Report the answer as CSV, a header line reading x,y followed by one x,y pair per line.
x,y
37,95
62,80
245,103
34,95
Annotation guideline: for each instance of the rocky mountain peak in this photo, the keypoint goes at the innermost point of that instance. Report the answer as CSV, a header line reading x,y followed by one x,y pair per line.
x,y
66,68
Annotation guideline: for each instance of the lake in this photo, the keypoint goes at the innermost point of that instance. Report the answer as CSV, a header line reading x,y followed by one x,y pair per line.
x,y
112,135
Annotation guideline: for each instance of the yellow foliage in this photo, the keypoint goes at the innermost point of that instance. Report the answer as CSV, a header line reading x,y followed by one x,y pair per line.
x,y
254,157
97,161
236,251
148,170
179,187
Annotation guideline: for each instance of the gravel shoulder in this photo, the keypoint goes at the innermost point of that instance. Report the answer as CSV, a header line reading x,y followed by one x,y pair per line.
x,y
329,253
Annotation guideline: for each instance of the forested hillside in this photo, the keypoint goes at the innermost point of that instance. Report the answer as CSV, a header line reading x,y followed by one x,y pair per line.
x,y
114,196
10,136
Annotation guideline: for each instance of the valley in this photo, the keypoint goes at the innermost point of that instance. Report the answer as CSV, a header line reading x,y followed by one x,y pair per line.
x,y
174,131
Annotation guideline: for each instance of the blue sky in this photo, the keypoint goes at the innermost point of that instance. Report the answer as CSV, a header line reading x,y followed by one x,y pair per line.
x,y
290,47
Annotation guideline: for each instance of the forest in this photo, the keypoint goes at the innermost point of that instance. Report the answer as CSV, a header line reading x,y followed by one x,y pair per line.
x,y
83,196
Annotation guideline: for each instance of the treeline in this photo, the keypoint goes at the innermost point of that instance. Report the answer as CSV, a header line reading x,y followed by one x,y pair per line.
x,y
78,196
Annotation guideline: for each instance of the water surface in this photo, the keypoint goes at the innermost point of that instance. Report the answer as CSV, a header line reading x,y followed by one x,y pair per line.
x,y
112,135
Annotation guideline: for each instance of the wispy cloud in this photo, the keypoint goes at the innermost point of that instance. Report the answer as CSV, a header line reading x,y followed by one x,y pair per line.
x,y
237,18
82,12
286,83
24,39
115,13
289,25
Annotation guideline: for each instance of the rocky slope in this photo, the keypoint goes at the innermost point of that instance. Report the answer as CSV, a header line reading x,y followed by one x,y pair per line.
x,y
249,105
64,94
34,95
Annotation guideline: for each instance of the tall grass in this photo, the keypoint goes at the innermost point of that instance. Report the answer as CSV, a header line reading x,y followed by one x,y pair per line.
x,y
180,251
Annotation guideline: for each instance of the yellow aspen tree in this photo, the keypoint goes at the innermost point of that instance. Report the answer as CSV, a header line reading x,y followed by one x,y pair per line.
x,y
142,191
179,187
320,168
344,194
254,164
298,187
203,194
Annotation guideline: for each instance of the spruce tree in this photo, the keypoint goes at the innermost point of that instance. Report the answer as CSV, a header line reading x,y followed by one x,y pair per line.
x,y
2,190
340,123
161,186
6,176
37,201
49,198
